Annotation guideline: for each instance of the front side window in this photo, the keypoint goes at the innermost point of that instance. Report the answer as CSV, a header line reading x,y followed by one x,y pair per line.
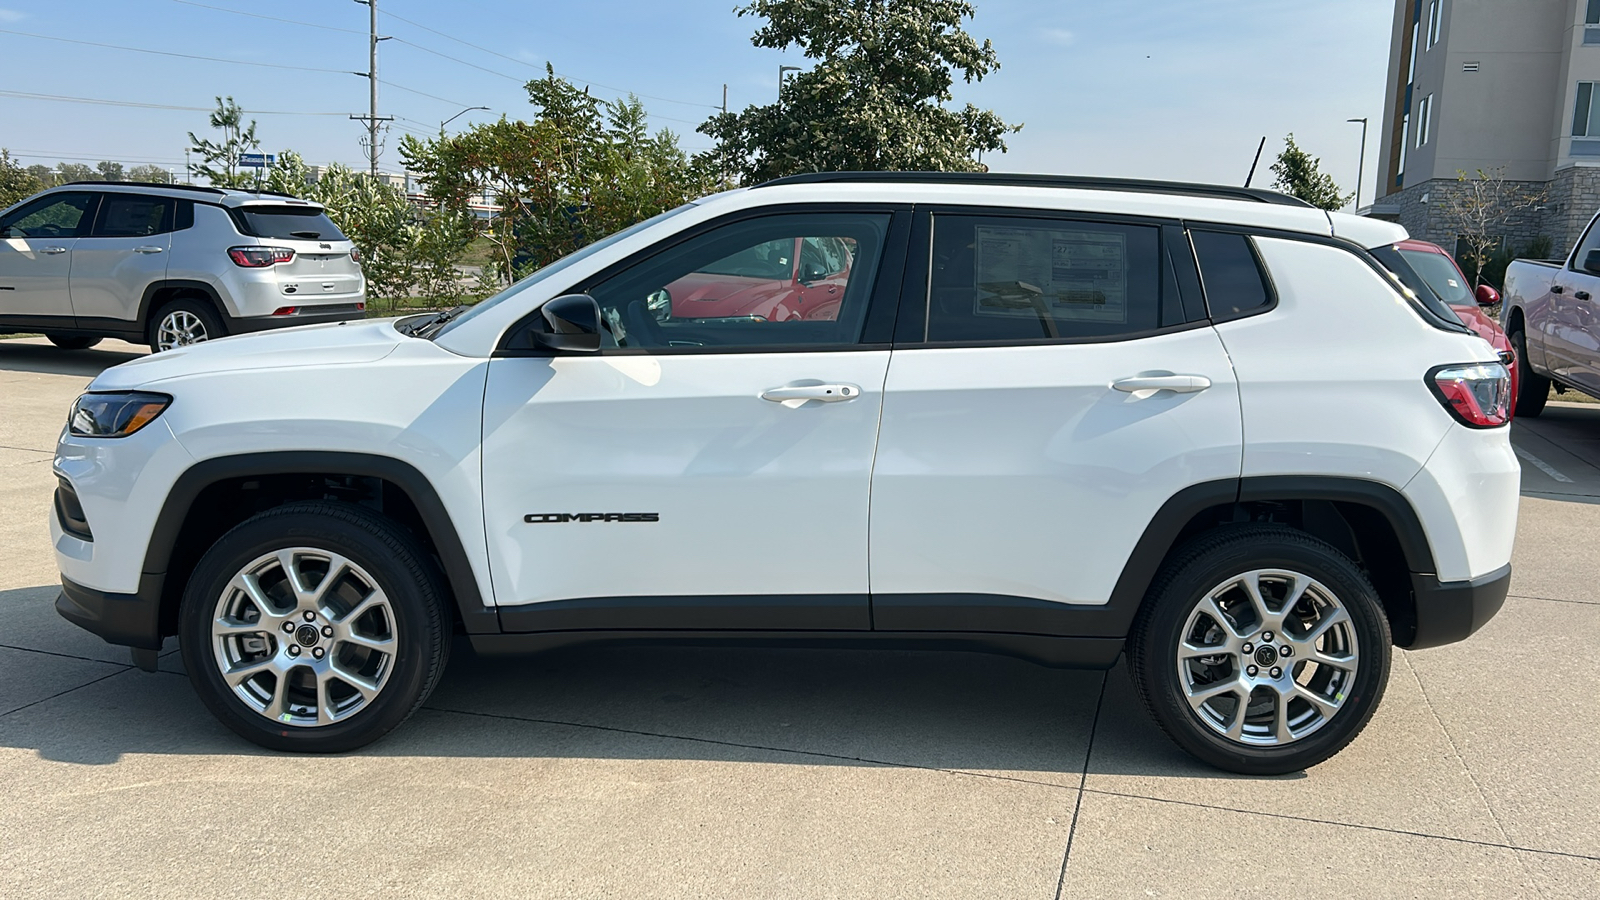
x,y
130,215
58,215
1585,114
800,279
1000,278
1232,277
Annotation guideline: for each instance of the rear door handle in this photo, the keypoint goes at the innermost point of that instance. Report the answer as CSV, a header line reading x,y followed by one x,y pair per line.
x,y
53,250
147,249
1557,289
1581,295
1182,384
796,395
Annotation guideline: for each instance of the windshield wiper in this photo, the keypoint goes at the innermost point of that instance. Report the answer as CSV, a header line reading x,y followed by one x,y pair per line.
x,y
430,326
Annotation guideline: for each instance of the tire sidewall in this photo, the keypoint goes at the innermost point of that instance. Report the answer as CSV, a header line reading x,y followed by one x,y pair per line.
x,y
419,634
1186,589
201,310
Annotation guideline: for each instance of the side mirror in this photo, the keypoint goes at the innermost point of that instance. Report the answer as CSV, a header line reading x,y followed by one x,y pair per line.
x,y
1487,296
1591,262
571,323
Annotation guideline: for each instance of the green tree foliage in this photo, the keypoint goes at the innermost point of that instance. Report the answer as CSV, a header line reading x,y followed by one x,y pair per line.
x,y
874,97
67,173
16,183
151,174
220,159
1298,175
580,170
109,171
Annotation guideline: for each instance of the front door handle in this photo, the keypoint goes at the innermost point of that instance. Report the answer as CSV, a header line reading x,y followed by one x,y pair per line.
x,y
53,250
1557,289
794,396
1182,384
147,249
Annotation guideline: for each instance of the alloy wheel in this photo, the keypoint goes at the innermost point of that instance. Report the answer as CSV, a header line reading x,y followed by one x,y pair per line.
x,y
180,328
304,637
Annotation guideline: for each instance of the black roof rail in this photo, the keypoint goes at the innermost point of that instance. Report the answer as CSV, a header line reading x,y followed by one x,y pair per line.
x,y
148,184
1082,182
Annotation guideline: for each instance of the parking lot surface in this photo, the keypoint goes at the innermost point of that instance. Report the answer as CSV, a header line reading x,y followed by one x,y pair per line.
x,y
795,774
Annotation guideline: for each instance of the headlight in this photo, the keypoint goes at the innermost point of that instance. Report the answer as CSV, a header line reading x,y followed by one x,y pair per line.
x,y
117,414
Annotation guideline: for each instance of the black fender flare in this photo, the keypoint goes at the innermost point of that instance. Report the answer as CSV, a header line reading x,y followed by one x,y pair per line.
x,y
147,302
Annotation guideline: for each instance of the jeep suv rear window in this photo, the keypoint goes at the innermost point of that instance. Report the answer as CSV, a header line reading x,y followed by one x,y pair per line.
x,y
287,223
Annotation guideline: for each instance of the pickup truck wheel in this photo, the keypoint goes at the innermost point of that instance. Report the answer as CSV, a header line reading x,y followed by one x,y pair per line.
x,y
1533,389
314,627
72,341
1260,650
183,322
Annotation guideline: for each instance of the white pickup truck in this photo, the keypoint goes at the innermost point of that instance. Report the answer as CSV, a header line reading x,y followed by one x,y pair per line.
x,y
1553,317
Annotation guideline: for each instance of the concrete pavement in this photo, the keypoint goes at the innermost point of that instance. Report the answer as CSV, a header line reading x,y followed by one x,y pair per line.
x,y
737,773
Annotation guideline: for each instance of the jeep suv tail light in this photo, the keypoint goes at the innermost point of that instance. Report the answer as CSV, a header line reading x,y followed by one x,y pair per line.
x,y
259,257
1477,394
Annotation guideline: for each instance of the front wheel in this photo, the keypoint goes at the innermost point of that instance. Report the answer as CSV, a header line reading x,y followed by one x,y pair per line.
x,y
1533,389
314,627
1260,650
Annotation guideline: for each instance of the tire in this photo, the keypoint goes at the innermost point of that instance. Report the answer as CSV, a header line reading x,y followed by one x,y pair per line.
x,y
182,322
371,652
1533,389
1261,742
72,341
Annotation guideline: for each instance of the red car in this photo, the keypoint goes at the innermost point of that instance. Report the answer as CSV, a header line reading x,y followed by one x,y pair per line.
x,y
776,281
1439,270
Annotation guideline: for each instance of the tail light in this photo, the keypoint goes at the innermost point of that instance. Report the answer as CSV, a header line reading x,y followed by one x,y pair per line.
x,y
355,255
1477,394
259,257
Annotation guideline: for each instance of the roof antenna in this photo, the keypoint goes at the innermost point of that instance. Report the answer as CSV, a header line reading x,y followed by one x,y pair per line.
x,y
1260,147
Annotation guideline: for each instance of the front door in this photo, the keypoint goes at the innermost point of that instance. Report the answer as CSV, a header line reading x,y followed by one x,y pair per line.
x,y
1066,388
125,252
36,243
695,473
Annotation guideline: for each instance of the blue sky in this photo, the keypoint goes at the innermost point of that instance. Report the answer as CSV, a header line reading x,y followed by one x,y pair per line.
x,y
1155,89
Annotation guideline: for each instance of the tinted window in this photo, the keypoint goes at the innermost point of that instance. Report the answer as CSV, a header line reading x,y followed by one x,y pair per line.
x,y
1417,292
1233,280
1441,274
58,215
1003,278
1589,244
746,285
288,223
130,215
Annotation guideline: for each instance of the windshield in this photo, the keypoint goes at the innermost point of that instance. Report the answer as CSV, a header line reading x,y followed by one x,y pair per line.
x,y
1441,274
288,222
1422,297
558,266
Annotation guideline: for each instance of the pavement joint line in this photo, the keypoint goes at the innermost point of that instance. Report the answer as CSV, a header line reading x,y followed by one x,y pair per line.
x,y
1355,825
1557,495
1083,780
62,655
1541,465
1554,599
27,449
67,691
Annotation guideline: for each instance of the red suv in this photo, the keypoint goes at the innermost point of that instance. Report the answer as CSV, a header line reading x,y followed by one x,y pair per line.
x,y
1440,273
776,281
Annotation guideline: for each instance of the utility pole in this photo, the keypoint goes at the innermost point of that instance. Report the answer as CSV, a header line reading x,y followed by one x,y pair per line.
x,y
1361,167
374,148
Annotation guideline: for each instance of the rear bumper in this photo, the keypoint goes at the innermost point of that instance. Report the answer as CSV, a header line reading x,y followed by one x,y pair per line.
x,y
309,316
133,620
1450,611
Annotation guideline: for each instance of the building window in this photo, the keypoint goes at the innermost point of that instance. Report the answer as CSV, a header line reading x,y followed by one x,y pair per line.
x,y
1411,72
1405,132
1434,18
1586,113
1424,119
1592,17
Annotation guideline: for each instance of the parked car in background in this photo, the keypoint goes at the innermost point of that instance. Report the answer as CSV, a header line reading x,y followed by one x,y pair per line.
x,y
777,281
1554,322
170,265
1438,270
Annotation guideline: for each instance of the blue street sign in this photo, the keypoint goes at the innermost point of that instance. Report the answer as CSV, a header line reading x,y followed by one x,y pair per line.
x,y
257,160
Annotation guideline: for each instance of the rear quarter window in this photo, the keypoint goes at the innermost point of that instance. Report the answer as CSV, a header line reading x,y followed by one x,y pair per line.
x,y
286,223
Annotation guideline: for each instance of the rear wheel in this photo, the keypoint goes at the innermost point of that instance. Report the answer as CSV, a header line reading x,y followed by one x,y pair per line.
x,y
1261,650
1533,389
183,322
314,627
72,341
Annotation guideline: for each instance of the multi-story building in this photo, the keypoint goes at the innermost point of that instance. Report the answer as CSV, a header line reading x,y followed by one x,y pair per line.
x,y
1506,87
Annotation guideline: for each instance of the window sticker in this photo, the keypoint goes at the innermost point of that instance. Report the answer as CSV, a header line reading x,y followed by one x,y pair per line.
x,y
1064,274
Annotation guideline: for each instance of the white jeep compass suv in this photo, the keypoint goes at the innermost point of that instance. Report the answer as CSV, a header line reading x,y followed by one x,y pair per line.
x,y
1060,418
171,264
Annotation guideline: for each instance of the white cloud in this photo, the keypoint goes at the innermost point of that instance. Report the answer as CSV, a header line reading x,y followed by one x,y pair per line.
x,y
1059,36
11,15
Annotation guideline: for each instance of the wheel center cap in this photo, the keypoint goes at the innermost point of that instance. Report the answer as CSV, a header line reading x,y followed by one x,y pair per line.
x,y
307,635
1266,656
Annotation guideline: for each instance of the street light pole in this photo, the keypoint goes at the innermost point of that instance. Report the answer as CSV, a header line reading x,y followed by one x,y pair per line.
x,y
1361,167
457,116
781,70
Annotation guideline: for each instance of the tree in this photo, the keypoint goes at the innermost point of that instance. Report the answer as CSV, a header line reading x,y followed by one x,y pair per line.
x,y
67,173
1298,175
220,159
45,175
874,98
16,183
1481,206
109,171
150,174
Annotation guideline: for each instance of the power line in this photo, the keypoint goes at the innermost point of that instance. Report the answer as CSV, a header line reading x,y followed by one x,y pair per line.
x,y
59,98
237,62
401,87
240,12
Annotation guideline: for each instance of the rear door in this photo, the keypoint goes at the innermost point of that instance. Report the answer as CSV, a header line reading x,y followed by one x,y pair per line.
x,y
36,243
1062,388
125,252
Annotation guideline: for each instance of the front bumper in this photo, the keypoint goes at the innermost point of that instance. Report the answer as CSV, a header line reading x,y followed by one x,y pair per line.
x,y
309,315
1450,611
133,620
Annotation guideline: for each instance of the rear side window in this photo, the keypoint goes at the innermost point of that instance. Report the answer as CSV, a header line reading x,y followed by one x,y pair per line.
x,y
1232,277
287,223
133,215
999,278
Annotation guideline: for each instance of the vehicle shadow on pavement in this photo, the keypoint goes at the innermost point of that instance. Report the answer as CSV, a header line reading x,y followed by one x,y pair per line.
x,y
47,359
934,710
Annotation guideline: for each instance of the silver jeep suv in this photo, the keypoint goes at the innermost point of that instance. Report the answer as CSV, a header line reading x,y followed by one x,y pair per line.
x,y
171,265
